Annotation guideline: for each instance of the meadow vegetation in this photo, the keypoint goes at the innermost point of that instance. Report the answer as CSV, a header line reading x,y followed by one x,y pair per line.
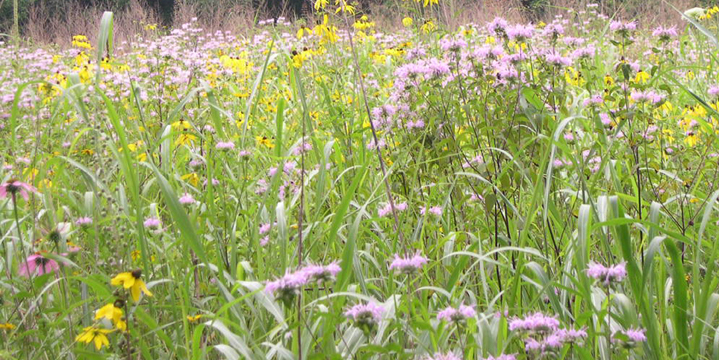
x,y
330,190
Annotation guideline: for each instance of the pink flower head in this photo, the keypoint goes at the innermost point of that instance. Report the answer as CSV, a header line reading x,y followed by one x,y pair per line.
x,y
447,356
368,314
14,187
630,338
536,322
607,275
83,221
407,265
286,287
186,199
502,357
322,273
265,228
37,264
459,314
152,223
434,210
225,145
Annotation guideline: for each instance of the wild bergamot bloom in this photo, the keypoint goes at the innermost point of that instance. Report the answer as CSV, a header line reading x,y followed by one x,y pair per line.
x,y
96,335
113,312
131,280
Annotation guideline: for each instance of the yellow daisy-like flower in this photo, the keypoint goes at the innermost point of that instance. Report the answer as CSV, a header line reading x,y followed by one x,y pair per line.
x,y
131,280
407,21
7,326
96,335
194,318
113,312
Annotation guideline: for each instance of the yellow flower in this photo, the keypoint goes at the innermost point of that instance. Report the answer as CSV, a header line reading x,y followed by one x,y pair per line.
x,y
131,280
192,178
407,21
94,334
642,77
321,4
428,27
113,312
194,318
263,140
7,326
608,81
185,139
181,124
430,2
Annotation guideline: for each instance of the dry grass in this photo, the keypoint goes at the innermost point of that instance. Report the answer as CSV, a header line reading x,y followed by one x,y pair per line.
x,y
239,17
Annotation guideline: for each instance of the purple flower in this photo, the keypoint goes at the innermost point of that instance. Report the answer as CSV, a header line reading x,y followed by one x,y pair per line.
x,y
630,338
365,315
322,273
502,357
434,210
459,314
387,209
408,265
713,90
665,33
286,287
186,199
447,356
265,228
520,32
607,275
14,187
37,264
498,26
225,145
81,221
152,223
536,322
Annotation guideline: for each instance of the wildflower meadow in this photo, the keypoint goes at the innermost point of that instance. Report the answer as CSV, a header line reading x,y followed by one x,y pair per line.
x,y
329,189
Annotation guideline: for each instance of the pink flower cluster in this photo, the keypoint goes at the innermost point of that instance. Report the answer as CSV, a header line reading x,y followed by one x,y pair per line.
x,y
408,265
365,314
607,275
536,323
290,284
461,313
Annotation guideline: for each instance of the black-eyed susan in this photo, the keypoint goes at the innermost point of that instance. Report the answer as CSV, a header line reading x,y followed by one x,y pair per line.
x,y
96,335
132,280
113,312
7,326
194,318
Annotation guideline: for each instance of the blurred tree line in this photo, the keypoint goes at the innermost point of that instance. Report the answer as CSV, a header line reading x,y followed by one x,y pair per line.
x,y
165,8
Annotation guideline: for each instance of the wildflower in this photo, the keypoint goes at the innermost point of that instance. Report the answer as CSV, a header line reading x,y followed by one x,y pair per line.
x,y
629,338
607,275
407,21
497,27
623,28
194,318
434,210
665,33
132,280
13,187
96,335
265,228
459,314
447,356
37,264
152,223
322,273
536,322
286,287
408,265
520,33
113,312
387,209
713,90
428,26
83,221
365,316
225,145
502,357
7,326
186,199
